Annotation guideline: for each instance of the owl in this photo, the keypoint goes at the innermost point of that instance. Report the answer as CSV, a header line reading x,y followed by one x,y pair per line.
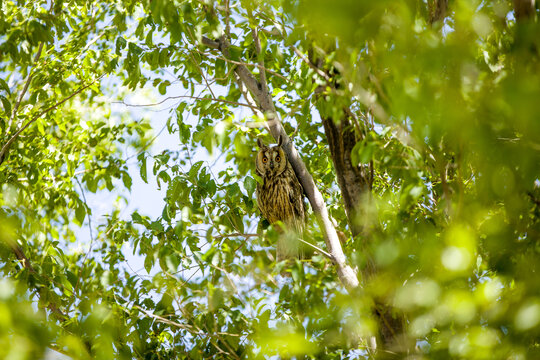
x,y
280,197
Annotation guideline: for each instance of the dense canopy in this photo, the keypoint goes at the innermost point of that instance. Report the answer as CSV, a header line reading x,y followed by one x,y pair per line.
x,y
413,126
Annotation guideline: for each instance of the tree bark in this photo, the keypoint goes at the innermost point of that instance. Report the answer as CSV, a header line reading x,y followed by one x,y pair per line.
x,y
437,10
524,9
355,183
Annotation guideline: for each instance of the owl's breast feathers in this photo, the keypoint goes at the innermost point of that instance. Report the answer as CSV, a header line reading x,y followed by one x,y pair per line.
x,y
280,199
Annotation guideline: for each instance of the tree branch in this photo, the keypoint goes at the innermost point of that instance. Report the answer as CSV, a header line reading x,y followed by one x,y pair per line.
x,y
262,74
524,9
346,274
437,10
23,92
27,265
316,248
186,97
14,137
355,183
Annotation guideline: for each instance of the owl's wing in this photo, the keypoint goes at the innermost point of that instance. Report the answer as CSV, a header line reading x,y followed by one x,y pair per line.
x,y
296,197
259,203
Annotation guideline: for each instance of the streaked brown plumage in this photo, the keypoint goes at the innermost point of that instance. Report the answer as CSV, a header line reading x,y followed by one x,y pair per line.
x,y
280,197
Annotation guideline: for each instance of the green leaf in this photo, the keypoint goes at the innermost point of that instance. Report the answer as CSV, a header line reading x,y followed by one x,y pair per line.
x,y
6,104
80,213
91,183
126,179
4,86
142,170
362,152
163,87
148,262
165,213
136,217
220,68
194,171
120,44
250,185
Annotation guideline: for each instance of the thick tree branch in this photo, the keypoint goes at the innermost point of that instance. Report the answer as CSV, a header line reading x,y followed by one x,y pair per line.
x,y
437,10
354,181
262,74
248,97
524,9
346,274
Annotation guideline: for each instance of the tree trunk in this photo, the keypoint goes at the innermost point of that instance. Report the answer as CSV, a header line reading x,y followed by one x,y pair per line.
x,y
524,9
355,184
437,10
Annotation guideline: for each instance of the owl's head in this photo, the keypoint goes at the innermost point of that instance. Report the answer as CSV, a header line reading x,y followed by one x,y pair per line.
x,y
271,161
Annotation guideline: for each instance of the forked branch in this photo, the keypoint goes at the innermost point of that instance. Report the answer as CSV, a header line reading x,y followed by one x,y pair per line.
x,y
265,103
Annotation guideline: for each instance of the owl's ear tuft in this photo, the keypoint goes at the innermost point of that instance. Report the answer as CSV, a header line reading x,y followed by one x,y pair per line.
x,y
280,141
260,143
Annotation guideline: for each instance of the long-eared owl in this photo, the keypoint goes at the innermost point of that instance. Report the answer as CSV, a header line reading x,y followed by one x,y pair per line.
x,y
280,197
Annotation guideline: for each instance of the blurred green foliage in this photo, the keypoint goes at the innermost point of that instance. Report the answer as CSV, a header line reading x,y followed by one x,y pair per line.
x,y
449,115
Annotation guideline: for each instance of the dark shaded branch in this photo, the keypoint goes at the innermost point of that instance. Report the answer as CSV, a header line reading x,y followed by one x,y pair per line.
x,y
524,9
354,181
437,10
355,184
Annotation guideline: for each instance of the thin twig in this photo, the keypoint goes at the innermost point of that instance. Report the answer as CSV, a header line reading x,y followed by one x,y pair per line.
x,y
329,256
184,97
204,77
227,19
215,45
310,64
91,239
237,235
166,321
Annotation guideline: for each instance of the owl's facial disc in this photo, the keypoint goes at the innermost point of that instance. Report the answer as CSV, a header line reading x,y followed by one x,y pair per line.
x,y
278,161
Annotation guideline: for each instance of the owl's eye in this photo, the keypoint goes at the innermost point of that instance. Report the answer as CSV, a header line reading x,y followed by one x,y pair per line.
x,y
265,159
278,158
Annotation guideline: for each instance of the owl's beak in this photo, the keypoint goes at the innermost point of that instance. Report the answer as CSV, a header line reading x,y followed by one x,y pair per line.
x,y
271,165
